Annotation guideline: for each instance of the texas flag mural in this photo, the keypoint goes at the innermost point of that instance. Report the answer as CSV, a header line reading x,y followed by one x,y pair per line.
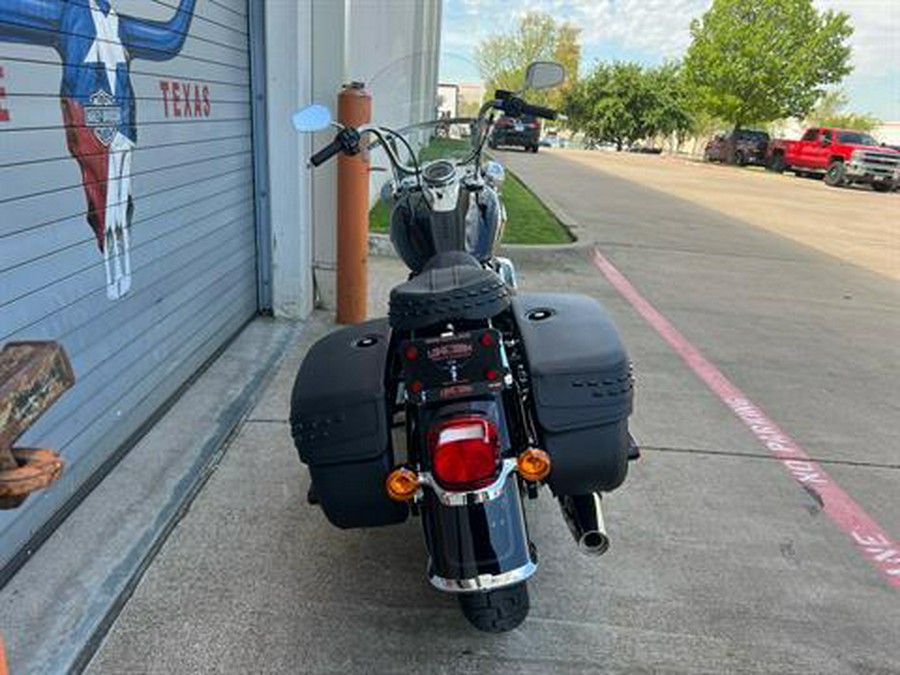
x,y
96,45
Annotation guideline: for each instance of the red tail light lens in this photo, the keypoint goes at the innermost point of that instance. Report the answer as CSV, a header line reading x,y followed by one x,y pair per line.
x,y
464,453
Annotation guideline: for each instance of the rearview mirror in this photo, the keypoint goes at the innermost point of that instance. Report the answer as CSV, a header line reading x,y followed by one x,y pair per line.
x,y
544,75
315,117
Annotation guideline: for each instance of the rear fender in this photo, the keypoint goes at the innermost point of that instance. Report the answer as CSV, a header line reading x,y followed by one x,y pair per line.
x,y
476,541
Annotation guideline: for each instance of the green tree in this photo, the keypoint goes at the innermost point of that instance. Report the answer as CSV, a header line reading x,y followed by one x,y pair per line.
x,y
502,59
669,112
755,61
622,103
468,108
829,112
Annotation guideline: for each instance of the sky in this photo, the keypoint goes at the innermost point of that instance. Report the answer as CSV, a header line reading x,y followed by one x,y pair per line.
x,y
650,31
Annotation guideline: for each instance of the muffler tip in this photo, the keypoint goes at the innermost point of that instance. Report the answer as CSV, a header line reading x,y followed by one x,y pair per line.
x,y
584,516
593,543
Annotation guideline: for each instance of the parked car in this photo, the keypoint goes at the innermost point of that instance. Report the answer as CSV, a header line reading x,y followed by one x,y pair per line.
x,y
844,157
523,132
749,147
553,140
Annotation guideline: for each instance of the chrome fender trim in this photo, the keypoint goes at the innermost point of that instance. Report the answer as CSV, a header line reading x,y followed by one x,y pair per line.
x,y
483,582
485,494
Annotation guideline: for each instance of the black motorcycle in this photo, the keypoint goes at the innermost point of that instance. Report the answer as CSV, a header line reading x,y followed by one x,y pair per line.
x,y
469,397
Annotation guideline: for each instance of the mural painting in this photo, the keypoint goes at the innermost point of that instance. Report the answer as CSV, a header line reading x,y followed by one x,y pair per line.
x,y
96,46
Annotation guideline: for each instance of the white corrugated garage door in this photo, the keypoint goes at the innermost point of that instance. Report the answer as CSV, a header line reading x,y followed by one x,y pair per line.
x,y
126,210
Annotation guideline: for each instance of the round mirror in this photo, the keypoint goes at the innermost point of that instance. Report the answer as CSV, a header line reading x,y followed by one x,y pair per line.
x,y
544,75
315,117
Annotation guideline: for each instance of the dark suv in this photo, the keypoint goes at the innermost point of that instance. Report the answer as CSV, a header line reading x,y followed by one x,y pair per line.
x,y
749,147
524,132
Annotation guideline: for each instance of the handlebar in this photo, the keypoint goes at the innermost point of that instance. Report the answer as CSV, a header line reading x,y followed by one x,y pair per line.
x,y
539,111
346,141
327,152
512,105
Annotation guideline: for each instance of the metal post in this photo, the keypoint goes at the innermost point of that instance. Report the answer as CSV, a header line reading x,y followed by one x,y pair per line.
x,y
354,109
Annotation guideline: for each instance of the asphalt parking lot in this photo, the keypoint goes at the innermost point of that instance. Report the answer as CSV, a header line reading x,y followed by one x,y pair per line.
x,y
853,224
723,559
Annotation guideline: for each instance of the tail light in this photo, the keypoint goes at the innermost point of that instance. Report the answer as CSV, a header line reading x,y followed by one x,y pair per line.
x,y
465,453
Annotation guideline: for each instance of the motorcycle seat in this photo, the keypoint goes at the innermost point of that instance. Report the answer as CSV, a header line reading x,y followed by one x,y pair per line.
x,y
451,285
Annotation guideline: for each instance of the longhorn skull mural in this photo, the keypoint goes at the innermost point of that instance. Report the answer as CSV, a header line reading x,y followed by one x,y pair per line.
x,y
96,45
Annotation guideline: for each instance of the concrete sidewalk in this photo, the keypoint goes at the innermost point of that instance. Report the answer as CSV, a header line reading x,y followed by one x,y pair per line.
x,y
53,610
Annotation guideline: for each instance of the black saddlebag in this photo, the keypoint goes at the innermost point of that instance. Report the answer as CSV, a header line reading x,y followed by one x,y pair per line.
x,y
341,427
582,389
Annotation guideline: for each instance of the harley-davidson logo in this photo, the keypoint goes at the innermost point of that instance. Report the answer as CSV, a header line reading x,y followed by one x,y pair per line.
x,y
450,352
456,391
103,116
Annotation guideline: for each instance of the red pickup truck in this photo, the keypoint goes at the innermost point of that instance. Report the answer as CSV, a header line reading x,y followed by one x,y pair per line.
x,y
843,155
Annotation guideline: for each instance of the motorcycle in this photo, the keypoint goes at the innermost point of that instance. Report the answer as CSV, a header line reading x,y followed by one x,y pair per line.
x,y
470,396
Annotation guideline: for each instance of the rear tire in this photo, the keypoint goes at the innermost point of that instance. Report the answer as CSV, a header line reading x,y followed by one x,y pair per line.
x,y
496,611
777,163
882,187
836,175
534,149
740,158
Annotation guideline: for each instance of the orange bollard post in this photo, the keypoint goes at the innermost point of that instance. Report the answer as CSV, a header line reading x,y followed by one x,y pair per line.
x,y
354,109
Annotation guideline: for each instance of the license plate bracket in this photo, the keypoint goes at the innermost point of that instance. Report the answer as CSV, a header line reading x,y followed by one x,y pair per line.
x,y
450,367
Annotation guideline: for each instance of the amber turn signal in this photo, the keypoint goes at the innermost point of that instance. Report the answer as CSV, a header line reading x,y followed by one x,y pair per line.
x,y
533,464
402,484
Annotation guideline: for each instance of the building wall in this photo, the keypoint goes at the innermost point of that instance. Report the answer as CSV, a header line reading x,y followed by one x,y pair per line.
x,y
127,229
288,87
448,99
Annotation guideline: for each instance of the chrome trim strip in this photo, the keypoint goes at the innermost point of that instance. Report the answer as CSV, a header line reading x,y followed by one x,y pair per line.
x,y
483,582
507,271
485,494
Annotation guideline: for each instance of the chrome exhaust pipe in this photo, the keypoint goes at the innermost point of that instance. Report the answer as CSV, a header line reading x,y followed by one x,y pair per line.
x,y
584,516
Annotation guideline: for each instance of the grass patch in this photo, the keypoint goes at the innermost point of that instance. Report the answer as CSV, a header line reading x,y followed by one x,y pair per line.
x,y
528,220
444,147
379,218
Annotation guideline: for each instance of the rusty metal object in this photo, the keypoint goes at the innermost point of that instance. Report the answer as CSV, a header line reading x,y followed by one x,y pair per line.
x,y
33,375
